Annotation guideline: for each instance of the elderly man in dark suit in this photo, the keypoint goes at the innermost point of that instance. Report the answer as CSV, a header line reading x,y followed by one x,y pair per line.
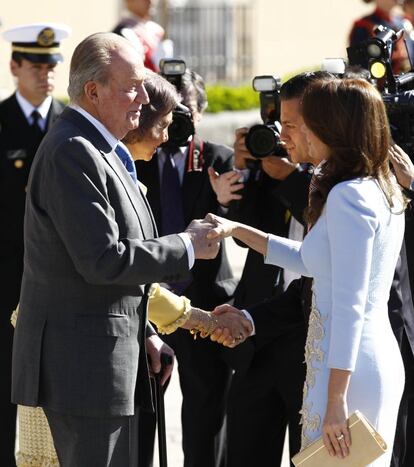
x,y
25,117
79,347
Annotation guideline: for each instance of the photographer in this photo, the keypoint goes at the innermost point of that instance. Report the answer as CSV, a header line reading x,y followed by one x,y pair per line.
x,y
384,14
403,324
178,191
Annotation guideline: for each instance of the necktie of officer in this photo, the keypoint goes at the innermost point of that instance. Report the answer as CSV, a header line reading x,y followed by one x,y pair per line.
x,y
128,162
172,210
37,132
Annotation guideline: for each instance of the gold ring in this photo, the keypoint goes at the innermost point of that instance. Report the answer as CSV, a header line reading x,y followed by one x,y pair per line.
x,y
340,437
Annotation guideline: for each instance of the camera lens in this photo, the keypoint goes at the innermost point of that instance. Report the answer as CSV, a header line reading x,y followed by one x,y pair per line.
x,y
262,140
181,128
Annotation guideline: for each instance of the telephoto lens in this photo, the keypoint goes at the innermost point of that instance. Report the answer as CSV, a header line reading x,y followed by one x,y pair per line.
x,y
264,140
182,126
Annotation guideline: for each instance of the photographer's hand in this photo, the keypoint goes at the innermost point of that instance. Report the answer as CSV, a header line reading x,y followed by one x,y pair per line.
x,y
403,167
225,185
241,153
278,168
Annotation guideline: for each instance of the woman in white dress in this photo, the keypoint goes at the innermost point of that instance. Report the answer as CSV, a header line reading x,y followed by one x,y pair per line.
x,y
357,224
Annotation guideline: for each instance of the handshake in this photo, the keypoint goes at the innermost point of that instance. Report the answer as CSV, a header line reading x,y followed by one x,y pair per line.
x,y
206,234
225,325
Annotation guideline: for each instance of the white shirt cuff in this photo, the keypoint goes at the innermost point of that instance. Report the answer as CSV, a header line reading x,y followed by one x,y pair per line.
x,y
249,317
189,247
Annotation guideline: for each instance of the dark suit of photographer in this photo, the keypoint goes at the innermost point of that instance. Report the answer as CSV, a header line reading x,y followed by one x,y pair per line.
x,y
403,322
266,390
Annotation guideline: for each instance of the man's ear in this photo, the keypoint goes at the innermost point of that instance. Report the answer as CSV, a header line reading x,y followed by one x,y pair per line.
x,y
14,66
91,92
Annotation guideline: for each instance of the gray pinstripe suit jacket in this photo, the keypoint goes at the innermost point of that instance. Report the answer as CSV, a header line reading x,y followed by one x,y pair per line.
x,y
89,250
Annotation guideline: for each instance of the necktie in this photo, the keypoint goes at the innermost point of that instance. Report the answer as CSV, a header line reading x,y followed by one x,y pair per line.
x,y
127,160
36,130
172,211
312,189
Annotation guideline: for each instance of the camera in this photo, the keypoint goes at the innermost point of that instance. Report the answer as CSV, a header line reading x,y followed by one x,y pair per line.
x,y
264,139
397,90
182,126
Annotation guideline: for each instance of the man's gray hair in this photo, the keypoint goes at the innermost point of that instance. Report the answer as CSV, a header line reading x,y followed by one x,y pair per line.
x,y
90,62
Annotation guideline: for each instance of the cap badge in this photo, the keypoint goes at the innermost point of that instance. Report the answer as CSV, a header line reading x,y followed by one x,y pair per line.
x,y
46,37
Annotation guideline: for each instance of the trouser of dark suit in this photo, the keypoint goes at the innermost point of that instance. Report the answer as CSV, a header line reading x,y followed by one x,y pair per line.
x,y
94,442
265,400
204,380
403,451
10,280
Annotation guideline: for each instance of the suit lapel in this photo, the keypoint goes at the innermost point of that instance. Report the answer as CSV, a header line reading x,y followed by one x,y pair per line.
x,y
134,194
17,112
132,191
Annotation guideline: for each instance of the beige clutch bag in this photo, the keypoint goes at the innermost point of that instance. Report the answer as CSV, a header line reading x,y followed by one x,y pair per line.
x,y
367,445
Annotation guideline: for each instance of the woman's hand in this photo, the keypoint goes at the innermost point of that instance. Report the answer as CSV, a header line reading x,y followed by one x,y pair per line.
x,y
335,430
223,227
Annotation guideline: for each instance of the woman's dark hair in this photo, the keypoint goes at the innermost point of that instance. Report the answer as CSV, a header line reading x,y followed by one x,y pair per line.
x,y
348,116
162,99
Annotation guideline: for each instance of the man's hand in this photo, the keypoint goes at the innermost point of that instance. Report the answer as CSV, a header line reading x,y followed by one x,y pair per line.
x,y
232,328
204,248
241,153
155,347
225,185
278,168
403,167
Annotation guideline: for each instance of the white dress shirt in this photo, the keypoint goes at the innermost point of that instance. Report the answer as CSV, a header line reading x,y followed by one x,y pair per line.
x,y
28,108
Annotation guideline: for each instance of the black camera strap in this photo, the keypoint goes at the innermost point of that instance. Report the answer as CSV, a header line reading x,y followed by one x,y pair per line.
x,y
195,161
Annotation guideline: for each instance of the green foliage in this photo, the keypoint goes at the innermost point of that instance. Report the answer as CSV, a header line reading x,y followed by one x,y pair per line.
x,y
221,97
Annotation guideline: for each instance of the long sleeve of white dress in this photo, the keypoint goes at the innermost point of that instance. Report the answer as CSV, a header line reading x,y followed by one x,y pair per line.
x,y
351,224
285,253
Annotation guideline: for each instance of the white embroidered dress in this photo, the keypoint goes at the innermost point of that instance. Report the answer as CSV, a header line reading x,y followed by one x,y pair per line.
x,y
351,253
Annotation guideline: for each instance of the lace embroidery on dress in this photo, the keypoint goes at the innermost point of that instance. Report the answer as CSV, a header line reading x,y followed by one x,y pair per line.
x,y
313,353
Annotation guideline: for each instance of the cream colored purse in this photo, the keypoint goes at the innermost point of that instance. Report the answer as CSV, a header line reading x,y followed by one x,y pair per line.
x,y
367,445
